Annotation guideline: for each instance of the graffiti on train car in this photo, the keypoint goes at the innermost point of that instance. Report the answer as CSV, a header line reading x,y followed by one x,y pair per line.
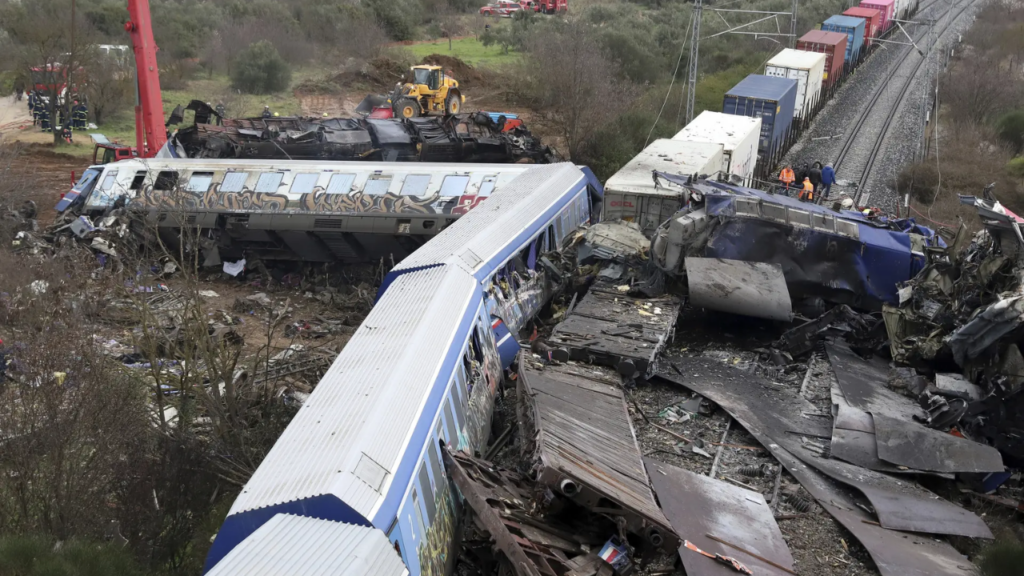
x,y
317,201
436,548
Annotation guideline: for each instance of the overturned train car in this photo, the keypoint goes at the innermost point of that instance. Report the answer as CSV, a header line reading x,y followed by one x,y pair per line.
x,y
838,256
362,463
475,137
292,210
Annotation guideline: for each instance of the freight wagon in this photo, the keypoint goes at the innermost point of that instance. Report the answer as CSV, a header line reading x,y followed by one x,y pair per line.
x,y
738,135
807,68
829,44
886,7
854,30
872,22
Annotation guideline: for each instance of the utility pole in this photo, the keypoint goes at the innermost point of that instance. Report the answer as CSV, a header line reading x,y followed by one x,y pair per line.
x,y
792,27
691,85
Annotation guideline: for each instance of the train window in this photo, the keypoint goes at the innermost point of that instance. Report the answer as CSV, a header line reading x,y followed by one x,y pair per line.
x,y
460,408
269,181
419,514
435,462
234,182
377,185
304,183
451,424
138,180
487,186
199,182
428,494
551,242
415,185
108,180
341,183
166,180
477,350
454,185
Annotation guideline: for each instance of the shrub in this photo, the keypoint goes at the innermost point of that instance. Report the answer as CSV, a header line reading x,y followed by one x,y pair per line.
x,y
1011,129
1002,559
259,69
38,556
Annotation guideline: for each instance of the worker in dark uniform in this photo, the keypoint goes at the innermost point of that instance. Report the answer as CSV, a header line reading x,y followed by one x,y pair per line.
x,y
80,115
66,133
220,113
44,117
32,106
267,113
814,175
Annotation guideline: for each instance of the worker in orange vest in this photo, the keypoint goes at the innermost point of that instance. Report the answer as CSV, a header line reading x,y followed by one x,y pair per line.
x,y
787,177
807,194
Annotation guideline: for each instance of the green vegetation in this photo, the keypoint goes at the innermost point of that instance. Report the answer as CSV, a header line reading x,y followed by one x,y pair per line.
x,y
1003,558
470,50
41,556
260,70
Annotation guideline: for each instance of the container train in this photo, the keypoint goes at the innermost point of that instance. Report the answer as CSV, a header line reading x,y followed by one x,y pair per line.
x,y
780,103
358,473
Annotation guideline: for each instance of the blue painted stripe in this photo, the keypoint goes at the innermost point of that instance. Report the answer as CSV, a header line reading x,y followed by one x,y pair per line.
x,y
238,527
411,457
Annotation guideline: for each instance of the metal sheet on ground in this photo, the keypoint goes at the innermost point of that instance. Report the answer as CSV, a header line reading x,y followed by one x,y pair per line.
x,y
853,436
915,446
894,553
747,288
582,432
776,414
698,505
863,384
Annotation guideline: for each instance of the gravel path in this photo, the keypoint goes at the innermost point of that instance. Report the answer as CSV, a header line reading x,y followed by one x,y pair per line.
x,y
879,81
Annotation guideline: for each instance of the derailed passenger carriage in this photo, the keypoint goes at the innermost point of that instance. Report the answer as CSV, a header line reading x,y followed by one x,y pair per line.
x,y
362,460
306,210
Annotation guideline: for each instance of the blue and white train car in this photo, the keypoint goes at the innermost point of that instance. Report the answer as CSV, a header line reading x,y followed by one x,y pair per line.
x,y
419,374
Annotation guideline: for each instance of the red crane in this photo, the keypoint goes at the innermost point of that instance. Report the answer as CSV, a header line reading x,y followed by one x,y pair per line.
x,y
150,133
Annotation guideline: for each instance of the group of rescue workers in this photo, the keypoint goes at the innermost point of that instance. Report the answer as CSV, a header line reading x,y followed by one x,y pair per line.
x,y
814,180
69,118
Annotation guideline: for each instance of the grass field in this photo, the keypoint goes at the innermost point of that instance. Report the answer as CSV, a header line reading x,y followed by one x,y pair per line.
x,y
469,50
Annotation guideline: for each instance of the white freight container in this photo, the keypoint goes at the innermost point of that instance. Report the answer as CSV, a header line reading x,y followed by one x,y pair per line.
x,y
807,68
631,194
737,134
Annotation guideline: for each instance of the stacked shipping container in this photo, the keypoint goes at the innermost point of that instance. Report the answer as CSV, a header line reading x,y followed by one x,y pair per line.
x,y
768,98
807,68
854,30
829,44
872,22
886,7
738,135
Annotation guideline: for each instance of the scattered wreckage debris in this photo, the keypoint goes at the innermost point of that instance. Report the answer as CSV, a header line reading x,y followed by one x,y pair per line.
x,y
474,137
611,328
775,417
520,517
700,507
579,441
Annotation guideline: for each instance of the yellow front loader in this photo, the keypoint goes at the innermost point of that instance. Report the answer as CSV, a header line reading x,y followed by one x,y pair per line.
x,y
431,90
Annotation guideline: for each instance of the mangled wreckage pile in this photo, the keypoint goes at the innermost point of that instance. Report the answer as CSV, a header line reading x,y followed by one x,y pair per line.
x,y
475,137
884,383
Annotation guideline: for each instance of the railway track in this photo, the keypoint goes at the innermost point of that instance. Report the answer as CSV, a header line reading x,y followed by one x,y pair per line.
x,y
901,94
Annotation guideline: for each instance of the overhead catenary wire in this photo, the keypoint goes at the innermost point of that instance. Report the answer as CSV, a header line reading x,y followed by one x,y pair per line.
x,y
668,93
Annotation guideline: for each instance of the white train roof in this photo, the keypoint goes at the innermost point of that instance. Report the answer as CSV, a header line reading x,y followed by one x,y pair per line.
x,y
289,544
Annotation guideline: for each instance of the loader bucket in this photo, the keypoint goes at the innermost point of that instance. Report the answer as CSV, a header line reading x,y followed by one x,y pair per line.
x,y
372,102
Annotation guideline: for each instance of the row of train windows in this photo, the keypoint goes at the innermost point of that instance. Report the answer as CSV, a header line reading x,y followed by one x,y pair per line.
x,y
305,183
455,408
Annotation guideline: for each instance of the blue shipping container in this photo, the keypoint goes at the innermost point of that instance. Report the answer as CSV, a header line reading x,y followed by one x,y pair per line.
x,y
853,27
769,98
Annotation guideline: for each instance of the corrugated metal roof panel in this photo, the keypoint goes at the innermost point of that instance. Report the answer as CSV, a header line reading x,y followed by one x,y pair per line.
x,y
349,436
798,59
290,544
486,229
763,87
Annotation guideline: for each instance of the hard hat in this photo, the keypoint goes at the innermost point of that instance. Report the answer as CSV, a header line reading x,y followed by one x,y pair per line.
x,y
276,114
867,212
847,204
325,114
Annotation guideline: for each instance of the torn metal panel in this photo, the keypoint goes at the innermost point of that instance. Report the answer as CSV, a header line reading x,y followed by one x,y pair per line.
x,y
915,446
502,504
894,553
987,327
775,417
698,505
863,385
581,443
608,327
745,288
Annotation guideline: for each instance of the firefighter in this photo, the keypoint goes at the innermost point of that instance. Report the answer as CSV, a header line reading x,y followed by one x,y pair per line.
x,y
44,118
32,106
79,116
220,113
66,133
267,113
787,177
807,194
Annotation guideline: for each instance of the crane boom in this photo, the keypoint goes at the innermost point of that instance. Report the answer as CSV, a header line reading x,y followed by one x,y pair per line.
x,y
150,133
